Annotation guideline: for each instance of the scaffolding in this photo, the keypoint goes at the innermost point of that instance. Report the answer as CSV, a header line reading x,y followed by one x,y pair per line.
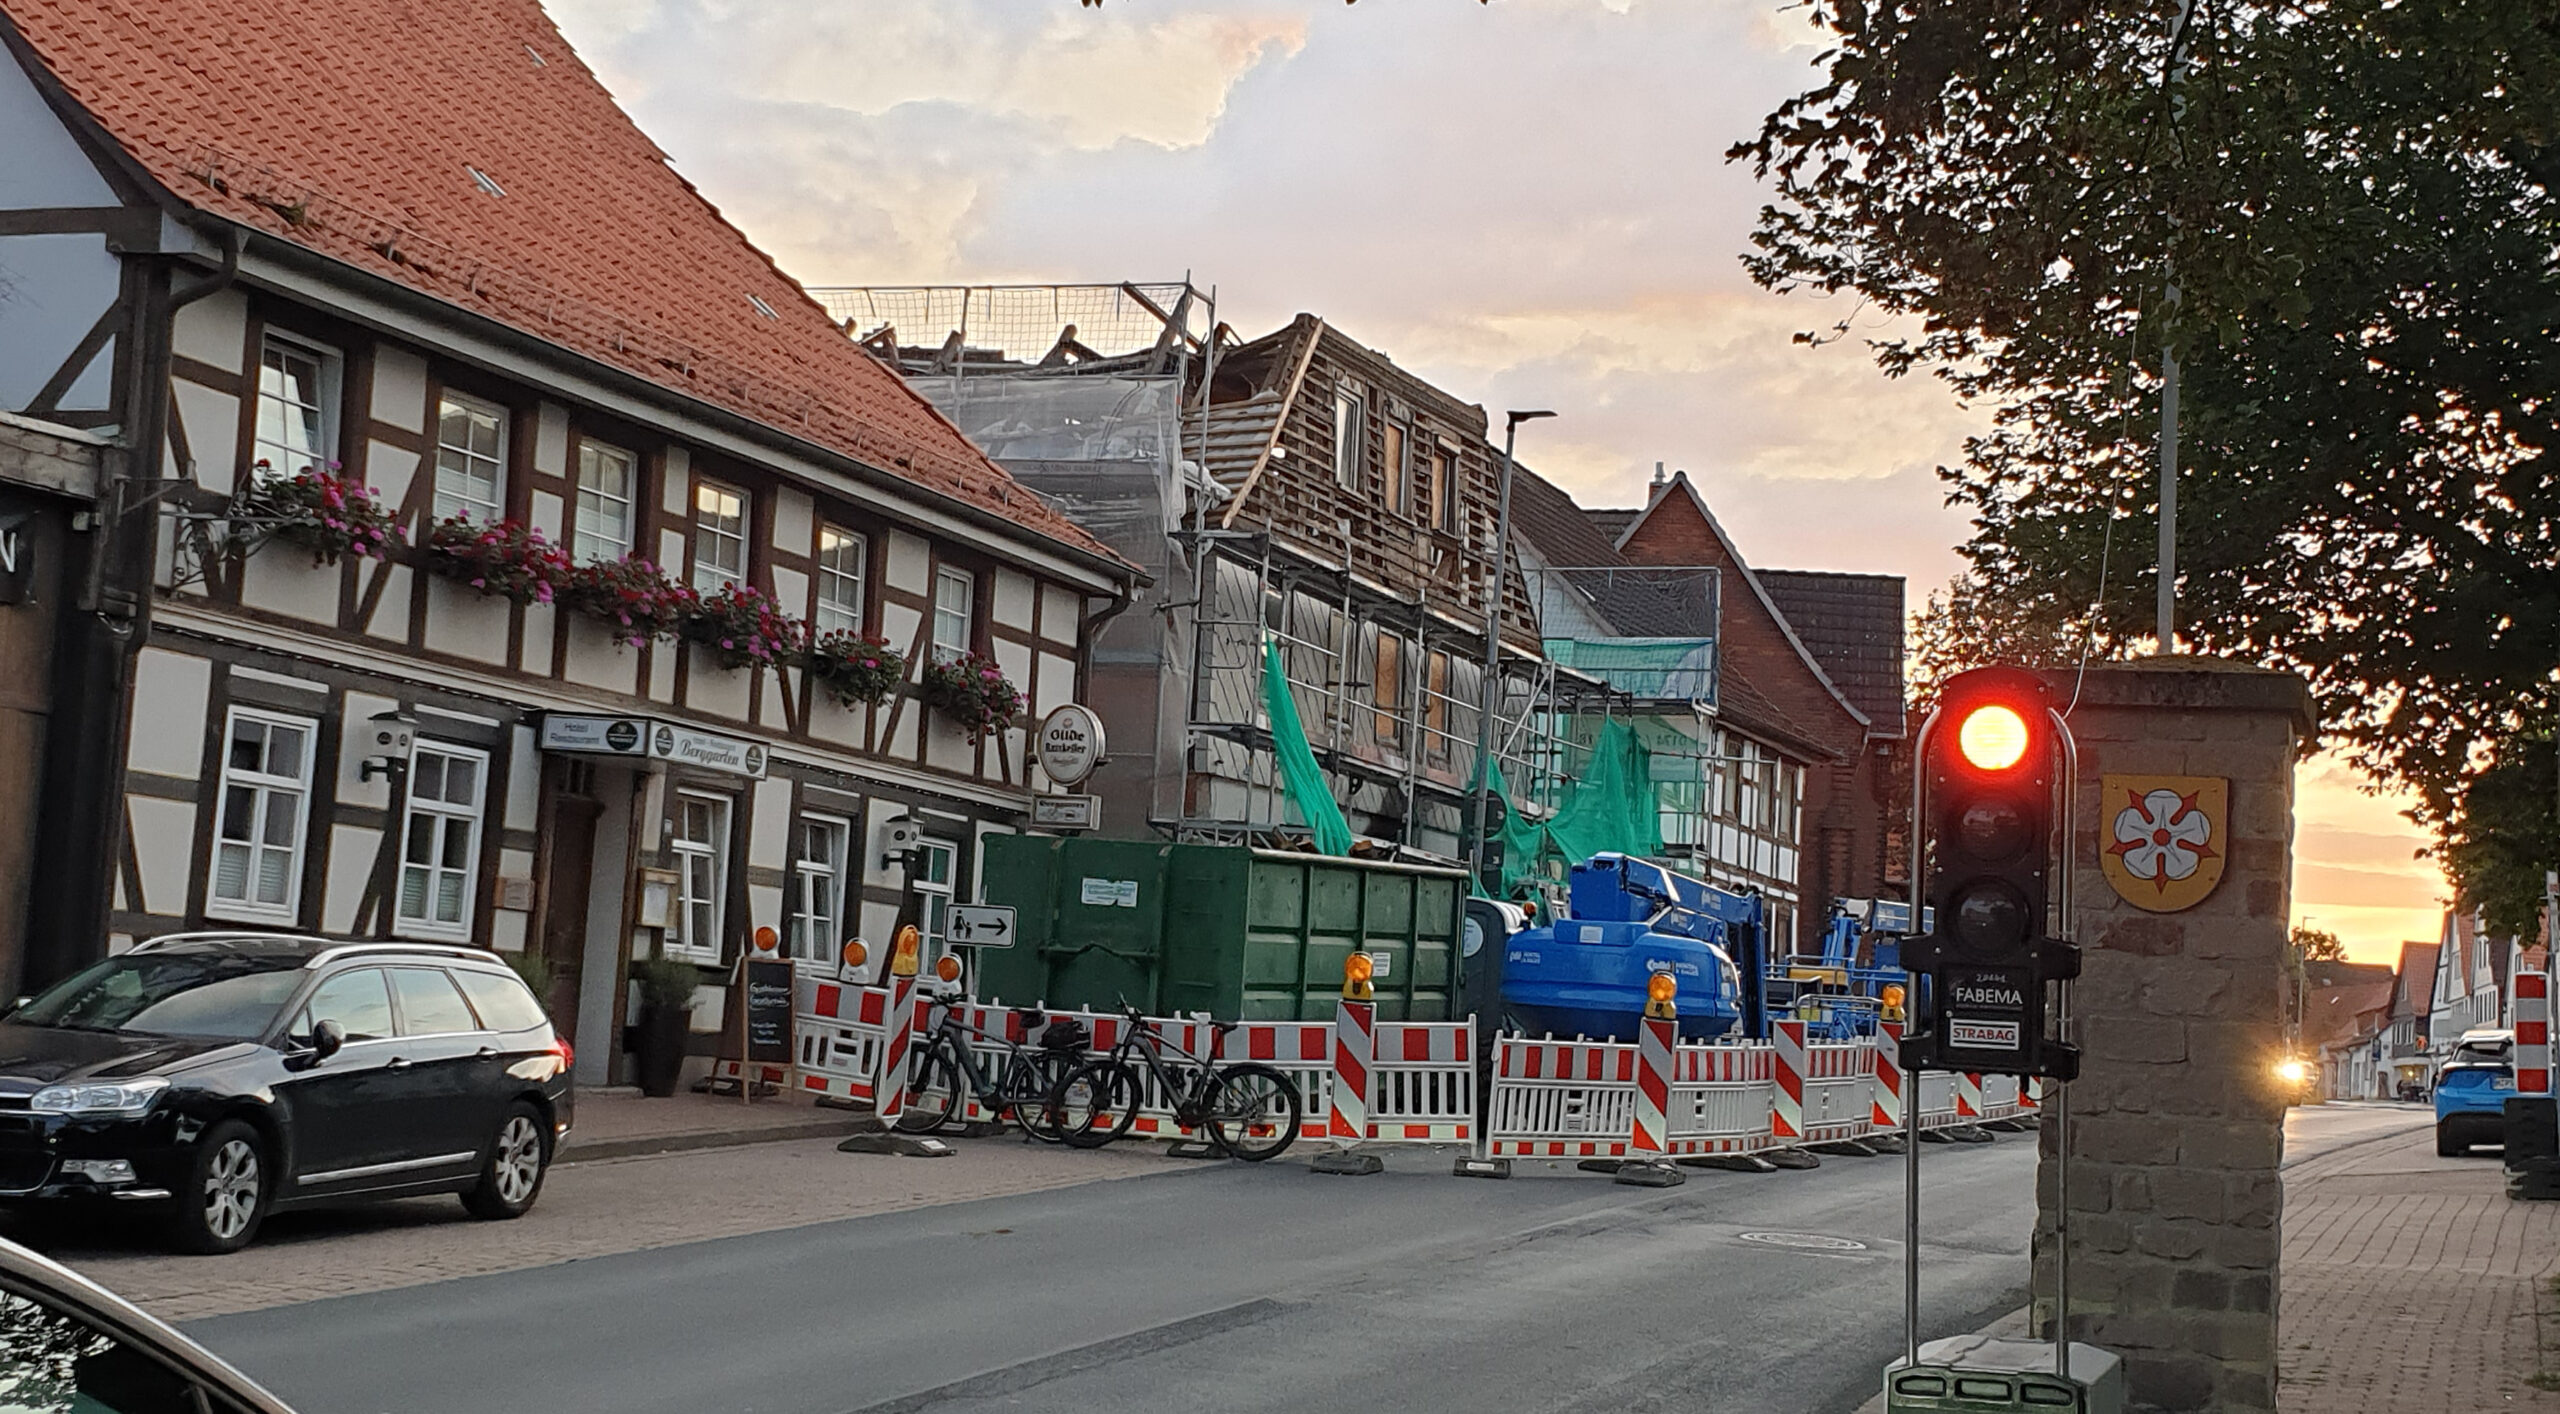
x,y
956,330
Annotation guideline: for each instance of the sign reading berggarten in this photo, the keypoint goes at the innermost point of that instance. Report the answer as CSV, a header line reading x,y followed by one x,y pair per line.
x,y
1070,743
660,740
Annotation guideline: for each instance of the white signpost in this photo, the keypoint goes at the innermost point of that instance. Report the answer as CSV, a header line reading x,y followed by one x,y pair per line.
x,y
1066,812
980,925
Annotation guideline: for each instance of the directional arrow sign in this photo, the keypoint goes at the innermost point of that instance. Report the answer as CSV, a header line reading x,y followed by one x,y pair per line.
x,y
981,925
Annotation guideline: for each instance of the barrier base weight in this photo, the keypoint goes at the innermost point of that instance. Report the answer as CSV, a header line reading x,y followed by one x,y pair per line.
x,y
1884,1143
2011,1126
905,1146
1845,1148
1969,1134
1598,1165
1347,1162
1193,1149
1651,1173
1731,1163
1792,1159
1480,1168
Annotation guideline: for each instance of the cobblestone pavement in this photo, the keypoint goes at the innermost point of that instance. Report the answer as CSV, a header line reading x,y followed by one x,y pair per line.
x,y
588,1209
2410,1283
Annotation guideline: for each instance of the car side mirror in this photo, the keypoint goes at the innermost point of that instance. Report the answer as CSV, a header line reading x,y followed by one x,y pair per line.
x,y
326,1040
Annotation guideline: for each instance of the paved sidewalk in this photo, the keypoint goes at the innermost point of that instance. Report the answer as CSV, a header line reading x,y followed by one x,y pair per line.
x,y
2410,1283
617,1123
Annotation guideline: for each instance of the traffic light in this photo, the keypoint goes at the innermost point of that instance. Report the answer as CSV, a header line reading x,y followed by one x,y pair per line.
x,y
1987,774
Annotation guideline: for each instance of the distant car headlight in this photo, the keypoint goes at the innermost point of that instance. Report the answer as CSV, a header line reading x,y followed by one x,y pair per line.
x,y
121,1097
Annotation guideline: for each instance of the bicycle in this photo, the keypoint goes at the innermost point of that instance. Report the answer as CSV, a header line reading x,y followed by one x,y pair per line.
x,y
943,1067
1248,1110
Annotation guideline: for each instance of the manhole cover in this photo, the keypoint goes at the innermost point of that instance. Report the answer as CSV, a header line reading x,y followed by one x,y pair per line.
x,y
1811,1241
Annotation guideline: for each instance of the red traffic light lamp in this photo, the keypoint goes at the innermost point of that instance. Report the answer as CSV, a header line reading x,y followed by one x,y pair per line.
x,y
1992,736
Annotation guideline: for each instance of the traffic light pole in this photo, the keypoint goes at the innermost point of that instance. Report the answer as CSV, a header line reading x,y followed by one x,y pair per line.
x,y
1911,1077
2062,1088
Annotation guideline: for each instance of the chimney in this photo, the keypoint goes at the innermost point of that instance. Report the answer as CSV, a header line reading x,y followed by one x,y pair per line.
x,y
1657,473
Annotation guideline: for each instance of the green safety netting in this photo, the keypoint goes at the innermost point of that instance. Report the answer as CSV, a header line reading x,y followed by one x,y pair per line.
x,y
1299,773
1650,669
1609,809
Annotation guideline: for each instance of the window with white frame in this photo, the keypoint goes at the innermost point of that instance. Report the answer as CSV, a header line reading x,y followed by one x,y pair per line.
x,y
471,459
719,536
440,840
841,556
607,477
931,878
813,895
297,406
701,847
955,606
257,834
1350,430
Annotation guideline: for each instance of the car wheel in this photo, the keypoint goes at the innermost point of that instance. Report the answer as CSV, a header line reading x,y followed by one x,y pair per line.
x,y
519,1159
225,1197
2446,1147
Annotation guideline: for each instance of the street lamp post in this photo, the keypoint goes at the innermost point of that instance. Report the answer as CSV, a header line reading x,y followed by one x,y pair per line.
x,y
1493,635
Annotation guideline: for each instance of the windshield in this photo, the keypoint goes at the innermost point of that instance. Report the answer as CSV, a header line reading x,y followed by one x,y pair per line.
x,y
170,994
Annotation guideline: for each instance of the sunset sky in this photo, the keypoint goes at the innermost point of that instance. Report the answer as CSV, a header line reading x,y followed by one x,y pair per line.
x,y
1525,202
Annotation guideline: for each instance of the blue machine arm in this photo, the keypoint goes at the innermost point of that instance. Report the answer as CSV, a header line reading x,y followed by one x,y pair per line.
x,y
1620,888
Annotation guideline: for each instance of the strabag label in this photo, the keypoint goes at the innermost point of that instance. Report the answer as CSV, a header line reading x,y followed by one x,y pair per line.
x,y
1983,1035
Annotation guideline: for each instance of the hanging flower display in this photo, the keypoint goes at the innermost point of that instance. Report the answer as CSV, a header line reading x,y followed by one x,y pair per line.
x,y
328,514
507,558
632,595
972,691
859,669
745,626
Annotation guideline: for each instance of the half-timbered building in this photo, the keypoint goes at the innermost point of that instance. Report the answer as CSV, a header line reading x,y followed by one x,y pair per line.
x,y
426,254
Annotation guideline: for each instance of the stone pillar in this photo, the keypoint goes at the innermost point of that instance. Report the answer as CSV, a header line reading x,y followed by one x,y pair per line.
x,y
2177,1121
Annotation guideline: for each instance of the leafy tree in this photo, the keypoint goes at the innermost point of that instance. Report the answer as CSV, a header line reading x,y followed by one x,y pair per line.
x,y
2353,201
2317,945
2504,834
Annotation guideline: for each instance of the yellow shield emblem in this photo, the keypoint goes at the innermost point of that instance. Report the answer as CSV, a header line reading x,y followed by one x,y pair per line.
x,y
2161,838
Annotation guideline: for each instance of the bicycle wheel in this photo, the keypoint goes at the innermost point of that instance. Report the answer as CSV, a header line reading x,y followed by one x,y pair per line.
x,y
1096,1103
1032,1093
934,1085
1253,1111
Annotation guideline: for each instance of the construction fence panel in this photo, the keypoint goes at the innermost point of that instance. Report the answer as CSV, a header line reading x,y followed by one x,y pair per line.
x,y
1839,1090
1561,1099
1722,1095
1424,1078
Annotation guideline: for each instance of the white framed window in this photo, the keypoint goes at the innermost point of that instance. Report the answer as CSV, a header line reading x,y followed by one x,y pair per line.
x,y
955,607
719,536
258,830
440,840
813,895
1350,429
297,406
931,877
471,458
608,478
841,561
701,847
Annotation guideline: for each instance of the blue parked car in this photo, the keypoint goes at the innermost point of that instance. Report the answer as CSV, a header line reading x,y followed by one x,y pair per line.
x,y
2471,1102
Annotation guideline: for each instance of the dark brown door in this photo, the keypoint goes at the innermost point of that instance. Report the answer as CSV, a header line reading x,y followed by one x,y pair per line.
x,y
572,843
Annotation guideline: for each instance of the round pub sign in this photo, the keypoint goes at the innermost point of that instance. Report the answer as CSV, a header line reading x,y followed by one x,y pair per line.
x,y
2161,838
1070,743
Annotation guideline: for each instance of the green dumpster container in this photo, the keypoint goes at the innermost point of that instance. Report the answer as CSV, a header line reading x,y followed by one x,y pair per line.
x,y
1239,933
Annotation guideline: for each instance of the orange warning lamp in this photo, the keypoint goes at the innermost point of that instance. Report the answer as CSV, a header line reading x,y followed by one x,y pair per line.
x,y
767,939
1892,997
1357,970
905,951
855,953
1993,737
1659,989
947,968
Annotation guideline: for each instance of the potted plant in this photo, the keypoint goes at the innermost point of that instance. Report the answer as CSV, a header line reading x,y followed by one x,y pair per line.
x,y
330,515
744,626
666,1019
507,558
859,669
633,596
972,691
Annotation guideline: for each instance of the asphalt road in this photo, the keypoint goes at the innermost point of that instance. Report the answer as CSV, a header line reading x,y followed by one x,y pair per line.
x,y
1219,1288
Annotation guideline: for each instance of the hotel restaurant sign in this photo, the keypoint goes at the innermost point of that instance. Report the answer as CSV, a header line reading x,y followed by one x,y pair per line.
x,y
652,739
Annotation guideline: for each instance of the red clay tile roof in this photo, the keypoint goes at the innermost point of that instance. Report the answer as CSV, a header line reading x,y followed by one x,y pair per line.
x,y
352,127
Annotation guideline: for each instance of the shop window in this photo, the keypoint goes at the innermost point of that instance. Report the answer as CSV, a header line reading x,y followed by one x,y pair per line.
x,y
440,841
471,459
841,560
955,604
701,848
814,893
297,406
719,536
258,833
608,480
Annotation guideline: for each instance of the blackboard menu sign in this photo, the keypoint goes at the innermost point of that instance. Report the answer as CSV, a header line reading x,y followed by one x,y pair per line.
x,y
768,1011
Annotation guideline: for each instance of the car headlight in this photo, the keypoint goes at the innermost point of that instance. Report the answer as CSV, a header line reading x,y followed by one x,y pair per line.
x,y
120,1097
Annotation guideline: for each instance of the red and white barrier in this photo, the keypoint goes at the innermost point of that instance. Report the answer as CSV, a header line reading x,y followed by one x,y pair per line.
x,y
1561,1099
1656,1041
1885,1104
889,1090
2533,1033
1354,1043
1723,1099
